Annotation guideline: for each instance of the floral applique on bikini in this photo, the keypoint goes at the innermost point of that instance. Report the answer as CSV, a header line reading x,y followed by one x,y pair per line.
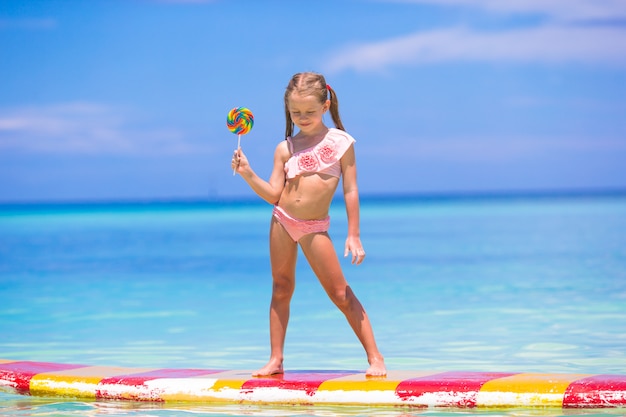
x,y
323,158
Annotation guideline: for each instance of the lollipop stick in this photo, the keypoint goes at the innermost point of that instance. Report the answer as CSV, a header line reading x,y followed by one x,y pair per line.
x,y
238,147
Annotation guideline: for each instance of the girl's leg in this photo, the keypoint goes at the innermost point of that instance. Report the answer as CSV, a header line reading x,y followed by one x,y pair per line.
x,y
322,257
283,254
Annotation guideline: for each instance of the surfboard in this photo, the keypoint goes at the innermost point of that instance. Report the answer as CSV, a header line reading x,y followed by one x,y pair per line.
x,y
301,387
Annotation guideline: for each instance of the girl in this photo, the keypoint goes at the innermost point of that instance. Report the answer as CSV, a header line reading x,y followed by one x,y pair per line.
x,y
306,173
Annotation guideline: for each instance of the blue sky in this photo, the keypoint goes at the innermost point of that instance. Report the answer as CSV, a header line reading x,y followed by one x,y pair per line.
x,y
112,99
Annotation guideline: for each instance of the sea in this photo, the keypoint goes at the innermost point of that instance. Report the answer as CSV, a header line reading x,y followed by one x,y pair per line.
x,y
523,282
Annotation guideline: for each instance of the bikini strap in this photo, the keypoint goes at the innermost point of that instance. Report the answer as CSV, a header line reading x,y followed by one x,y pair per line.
x,y
290,144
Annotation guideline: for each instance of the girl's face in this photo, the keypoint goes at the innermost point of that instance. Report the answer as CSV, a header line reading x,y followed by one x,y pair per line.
x,y
306,112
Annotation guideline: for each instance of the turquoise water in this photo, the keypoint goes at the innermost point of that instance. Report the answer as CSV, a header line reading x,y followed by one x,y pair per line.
x,y
533,284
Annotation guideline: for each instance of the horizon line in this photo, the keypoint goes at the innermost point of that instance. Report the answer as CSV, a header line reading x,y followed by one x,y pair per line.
x,y
365,197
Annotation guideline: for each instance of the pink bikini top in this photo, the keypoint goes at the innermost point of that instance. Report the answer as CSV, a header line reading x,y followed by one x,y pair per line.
x,y
323,158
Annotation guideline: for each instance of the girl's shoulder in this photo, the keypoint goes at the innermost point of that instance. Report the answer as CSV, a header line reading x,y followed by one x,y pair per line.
x,y
283,149
341,135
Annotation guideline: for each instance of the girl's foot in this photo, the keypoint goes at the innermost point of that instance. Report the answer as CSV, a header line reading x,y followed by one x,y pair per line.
x,y
273,367
377,367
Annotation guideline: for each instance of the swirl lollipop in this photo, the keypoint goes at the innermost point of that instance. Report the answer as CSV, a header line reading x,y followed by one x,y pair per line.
x,y
239,121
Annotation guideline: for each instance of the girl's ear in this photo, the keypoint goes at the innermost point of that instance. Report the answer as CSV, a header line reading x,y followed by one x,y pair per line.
x,y
326,105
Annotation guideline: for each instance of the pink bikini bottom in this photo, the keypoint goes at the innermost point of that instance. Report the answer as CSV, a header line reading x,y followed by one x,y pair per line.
x,y
297,227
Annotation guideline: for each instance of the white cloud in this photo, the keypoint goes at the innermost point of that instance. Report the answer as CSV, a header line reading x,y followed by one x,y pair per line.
x,y
84,128
545,44
578,31
567,10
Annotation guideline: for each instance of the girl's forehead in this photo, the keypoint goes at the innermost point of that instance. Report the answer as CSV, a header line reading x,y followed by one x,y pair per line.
x,y
297,100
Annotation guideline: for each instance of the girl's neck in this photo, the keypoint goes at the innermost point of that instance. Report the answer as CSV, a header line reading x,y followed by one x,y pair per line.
x,y
312,136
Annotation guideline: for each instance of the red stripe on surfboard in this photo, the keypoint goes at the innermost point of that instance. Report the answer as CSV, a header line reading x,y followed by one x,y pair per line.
x,y
463,385
596,391
20,373
307,381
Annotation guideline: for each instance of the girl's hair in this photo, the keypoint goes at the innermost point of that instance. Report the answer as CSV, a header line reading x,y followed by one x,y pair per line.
x,y
311,84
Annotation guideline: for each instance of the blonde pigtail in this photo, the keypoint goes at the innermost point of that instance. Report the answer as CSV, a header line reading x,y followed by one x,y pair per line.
x,y
334,108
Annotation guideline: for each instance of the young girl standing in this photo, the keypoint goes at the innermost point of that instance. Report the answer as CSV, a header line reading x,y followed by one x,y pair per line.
x,y
305,175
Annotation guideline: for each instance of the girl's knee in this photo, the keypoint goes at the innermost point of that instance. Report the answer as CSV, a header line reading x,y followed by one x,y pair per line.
x,y
342,298
282,288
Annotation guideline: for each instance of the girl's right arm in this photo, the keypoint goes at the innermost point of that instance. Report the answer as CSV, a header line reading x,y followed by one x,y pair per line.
x,y
271,190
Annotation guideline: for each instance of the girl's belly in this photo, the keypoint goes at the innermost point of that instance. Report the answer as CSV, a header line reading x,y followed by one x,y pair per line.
x,y
309,197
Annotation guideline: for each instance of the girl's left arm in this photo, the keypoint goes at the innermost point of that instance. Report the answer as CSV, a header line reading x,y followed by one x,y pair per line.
x,y
351,198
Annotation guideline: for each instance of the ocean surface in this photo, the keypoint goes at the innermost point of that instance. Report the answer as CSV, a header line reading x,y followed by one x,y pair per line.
x,y
532,283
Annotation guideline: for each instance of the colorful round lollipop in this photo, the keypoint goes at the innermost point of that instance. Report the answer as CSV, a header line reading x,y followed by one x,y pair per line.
x,y
239,121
